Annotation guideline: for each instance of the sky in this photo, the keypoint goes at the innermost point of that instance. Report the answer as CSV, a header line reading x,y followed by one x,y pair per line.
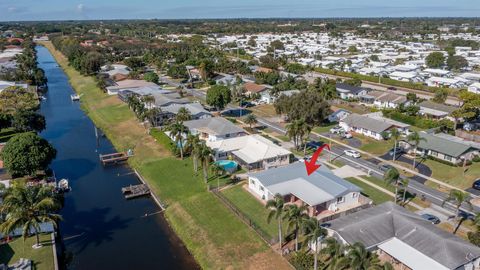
x,y
33,10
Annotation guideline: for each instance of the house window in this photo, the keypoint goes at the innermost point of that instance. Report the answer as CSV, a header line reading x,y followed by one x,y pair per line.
x,y
261,188
340,199
252,182
354,195
434,153
448,158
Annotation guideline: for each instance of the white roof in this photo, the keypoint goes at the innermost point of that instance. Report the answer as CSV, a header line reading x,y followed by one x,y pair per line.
x,y
409,256
251,149
408,75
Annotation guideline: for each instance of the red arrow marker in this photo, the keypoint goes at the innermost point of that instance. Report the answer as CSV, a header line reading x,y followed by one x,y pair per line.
x,y
312,165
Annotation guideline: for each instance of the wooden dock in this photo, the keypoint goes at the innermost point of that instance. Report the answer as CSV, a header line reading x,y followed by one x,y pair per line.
x,y
113,158
134,191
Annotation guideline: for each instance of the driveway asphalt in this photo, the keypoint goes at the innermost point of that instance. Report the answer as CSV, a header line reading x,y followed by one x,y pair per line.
x,y
422,168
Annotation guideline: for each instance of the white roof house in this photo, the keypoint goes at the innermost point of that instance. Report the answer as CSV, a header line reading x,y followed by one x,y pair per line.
x,y
404,76
474,88
252,151
440,81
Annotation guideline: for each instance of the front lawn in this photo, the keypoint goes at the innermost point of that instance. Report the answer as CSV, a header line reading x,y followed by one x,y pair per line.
x,y
373,146
325,128
374,194
42,258
453,175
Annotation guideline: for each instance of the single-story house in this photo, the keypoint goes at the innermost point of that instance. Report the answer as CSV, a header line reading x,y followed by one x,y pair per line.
x,y
405,76
448,82
474,88
346,91
214,129
381,99
6,84
253,88
405,239
115,69
251,152
443,148
128,84
323,192
338,115
435,110
370,126
225,79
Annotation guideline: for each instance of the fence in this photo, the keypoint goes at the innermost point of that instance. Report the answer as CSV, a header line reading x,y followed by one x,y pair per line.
x,y
366,203
264,235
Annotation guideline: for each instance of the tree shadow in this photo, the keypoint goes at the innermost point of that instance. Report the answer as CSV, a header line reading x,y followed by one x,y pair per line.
x,y
6,253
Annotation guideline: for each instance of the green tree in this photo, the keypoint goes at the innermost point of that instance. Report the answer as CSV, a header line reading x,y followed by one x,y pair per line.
x,y
277,209
25,121
335,259
218,96
435,60
178,131
183,114
395,135
204,154
295,217
314,234
457,198
440,96
26,153
250,120
16,98
193,146
91,63
26,207
151,77
391,177
360,258
456,62
414,139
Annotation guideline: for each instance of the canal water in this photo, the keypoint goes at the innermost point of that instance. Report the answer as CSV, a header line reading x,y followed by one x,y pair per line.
x,y
100,229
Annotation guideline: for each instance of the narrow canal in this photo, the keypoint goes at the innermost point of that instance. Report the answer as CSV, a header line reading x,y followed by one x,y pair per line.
x,y
100,229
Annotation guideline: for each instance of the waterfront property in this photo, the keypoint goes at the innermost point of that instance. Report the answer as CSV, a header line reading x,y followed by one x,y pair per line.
x,y
214,129
326,195
252,152
405,239
128,84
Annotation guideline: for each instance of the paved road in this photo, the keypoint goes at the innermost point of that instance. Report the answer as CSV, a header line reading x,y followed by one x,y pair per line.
x,y
415,187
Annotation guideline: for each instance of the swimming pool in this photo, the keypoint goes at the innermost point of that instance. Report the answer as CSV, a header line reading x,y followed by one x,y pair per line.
x,y
229,165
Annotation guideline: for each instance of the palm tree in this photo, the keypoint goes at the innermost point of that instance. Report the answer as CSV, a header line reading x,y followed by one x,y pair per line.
x,y
458,198
314,234
360,258
204,156
405,183
395,135
415,139
292,132
177,131
276,206
335,255
193,145
250,120
149,100
26,207
295,217
391,177
183,114
151,115
216,169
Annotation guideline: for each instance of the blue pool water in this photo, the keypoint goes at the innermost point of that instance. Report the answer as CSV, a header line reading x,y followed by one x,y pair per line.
x,y
228,165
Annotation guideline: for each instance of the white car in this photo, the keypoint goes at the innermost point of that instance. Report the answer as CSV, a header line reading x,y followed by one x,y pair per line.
x,y
336,129
352,153
347,135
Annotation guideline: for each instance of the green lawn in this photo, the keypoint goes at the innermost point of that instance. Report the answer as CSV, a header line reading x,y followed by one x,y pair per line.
x,y
42,258
252,208
324,128
454,175
212,233
373,146
374,194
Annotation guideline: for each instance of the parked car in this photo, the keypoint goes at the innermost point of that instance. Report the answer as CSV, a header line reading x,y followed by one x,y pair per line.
x,y
346,135
385,167
314,145
336,130
469,126
246,104
352,153
392,88
433,219
476,184
397,151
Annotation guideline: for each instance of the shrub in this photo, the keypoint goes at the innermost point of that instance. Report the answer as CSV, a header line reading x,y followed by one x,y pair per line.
x,y
476,159
302,260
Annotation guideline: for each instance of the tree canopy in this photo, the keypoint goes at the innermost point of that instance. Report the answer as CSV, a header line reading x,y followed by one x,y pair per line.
x,y
435,60
218,96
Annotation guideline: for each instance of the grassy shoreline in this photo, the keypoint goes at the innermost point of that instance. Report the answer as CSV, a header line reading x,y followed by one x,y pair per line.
x,y
216,238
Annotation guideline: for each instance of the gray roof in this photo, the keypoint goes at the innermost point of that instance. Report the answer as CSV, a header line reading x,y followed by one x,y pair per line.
x,y
195,109
350,88
361,121
437,106
376,225
321,186
443,145
215,126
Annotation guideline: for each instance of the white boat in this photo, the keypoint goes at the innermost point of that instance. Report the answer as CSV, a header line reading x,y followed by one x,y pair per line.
x,y
75,97
63,185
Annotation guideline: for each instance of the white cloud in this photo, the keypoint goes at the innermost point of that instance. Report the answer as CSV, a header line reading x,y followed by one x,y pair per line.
x,y
80,8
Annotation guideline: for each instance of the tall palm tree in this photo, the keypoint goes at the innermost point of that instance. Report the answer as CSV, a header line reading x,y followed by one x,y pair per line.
x,y
204,156
151,115
335,255
314,234
405,182
296,216
395,135
391,177
458,198
193,145
149,100
26,207
276,206
183,114
177,132
415,139
250,120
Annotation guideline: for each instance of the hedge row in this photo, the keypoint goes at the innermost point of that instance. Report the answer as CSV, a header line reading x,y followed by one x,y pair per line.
x,y
412,120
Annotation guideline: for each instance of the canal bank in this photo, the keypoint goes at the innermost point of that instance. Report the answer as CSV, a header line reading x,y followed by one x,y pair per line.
x,y
100,229
216,238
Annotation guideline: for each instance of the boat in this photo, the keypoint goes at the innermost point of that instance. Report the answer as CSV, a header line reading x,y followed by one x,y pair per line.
x,y
75,97
63,185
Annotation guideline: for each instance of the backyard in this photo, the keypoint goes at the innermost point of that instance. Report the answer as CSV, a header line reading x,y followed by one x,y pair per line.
x,y
212,233
42,258
453,175
374,194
